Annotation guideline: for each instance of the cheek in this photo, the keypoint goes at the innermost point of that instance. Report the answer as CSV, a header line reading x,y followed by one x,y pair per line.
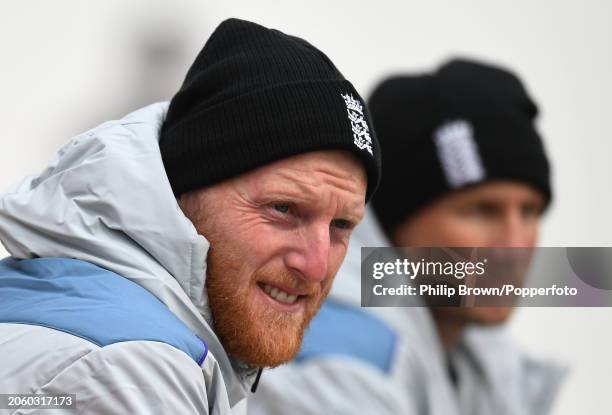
x,y
238,250
337,255
263,245
488,315
460,232
532,233
447,231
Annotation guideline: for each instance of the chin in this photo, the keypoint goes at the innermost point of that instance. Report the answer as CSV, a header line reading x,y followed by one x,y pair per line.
x,y
267,344
259,335
487,316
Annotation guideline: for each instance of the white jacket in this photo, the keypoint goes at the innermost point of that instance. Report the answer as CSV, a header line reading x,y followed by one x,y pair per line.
x,y
105,203
389,360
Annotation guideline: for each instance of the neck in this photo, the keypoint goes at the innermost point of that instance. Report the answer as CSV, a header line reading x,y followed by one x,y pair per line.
x,y
449,328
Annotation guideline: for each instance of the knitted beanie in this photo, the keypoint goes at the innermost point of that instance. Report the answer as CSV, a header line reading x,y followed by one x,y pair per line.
x,y
256,95
463,125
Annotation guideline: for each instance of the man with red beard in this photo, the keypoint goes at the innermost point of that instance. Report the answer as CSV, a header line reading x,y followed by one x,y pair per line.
x,y
160,261
275,249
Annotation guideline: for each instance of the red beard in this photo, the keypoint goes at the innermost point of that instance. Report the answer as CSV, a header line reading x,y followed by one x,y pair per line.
x,y
248,328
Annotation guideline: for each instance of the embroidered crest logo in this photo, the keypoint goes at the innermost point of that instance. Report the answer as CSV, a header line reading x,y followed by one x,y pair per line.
x,y
361,131
458,153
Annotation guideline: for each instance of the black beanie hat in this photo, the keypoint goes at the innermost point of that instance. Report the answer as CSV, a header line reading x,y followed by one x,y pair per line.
x,y
463,125
256,95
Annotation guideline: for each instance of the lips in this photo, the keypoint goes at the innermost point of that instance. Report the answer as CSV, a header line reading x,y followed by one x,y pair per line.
x,y
280,295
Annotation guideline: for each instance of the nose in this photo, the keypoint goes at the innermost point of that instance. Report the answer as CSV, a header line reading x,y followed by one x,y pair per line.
x,y
310,255
516,231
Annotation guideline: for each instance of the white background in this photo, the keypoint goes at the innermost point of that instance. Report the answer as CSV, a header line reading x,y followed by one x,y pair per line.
x,y
69,65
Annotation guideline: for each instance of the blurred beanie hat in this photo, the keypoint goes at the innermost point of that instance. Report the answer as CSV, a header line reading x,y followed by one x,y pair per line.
x,y
256,95
465,124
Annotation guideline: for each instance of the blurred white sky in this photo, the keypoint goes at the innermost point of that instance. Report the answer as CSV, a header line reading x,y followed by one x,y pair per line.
x,y
69,65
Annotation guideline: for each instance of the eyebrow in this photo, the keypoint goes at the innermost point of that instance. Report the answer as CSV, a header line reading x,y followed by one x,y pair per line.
x,y
352,211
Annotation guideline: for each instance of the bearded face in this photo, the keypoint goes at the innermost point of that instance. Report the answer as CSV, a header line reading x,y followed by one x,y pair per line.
x,y
256,327
278,236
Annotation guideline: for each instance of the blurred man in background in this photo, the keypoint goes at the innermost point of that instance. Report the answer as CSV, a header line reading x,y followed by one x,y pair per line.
x,y
463,166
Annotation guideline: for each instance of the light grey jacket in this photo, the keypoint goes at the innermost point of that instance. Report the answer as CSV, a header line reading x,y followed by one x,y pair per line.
x,y
105,199
349,376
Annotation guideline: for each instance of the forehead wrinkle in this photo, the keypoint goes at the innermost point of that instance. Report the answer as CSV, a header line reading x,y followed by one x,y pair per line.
x,y
307,187
340,179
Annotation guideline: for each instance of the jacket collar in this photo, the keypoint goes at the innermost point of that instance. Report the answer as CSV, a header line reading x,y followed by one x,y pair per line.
x,y
105,198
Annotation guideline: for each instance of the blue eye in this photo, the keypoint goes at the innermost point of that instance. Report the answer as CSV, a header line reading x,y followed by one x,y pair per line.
x,y
281,208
